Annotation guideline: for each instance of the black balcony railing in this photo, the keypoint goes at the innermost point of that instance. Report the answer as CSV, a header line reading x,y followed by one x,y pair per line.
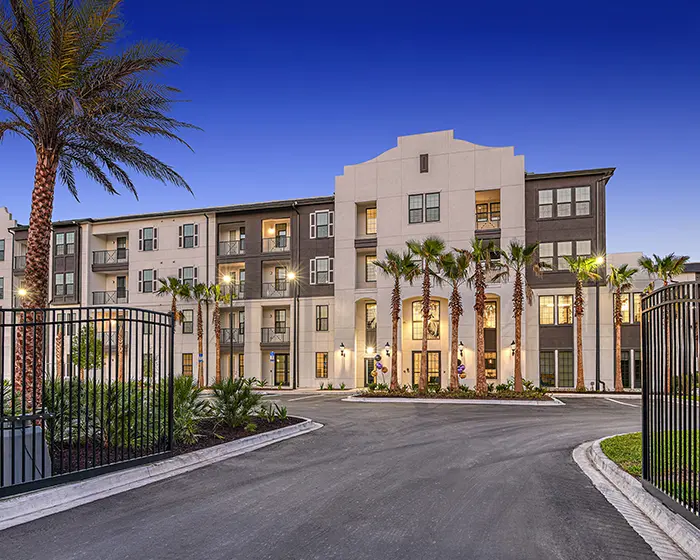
x,y
110,298
235,290
278,289
231,248
19,262
275,335
276,244
671,397
237,338
75,404
488,220
117,256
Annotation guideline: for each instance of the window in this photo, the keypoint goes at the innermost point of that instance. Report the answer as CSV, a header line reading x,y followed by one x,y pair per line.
x,y
148,239
65,243
433,366
565,310
371,221
432,207
321,270
424,163
187,316
370,268
2,288
563,250
188,236
547,371
637,308
625,367
433,320
415,208
241,365
583,248
321,224
491,365
188,276
583,201
321,318
546,199
280,321
495,211
631,307
241,321
490,315
563,202
482,212
321,365
147,281
625,307
280,278
547,253
637,369
64,284
566,368
546,310
370,317
2,249
187,364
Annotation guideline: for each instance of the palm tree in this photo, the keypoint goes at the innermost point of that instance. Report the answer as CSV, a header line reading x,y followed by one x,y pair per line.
x,y
428,252
83,107
483,267
584,269
517,259
665,269
218,296
620,280
397,266
454,269
200,294
173,288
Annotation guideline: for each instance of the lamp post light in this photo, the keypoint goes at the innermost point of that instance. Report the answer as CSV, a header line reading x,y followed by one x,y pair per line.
x,y
387,349
226,279
599,261
292,277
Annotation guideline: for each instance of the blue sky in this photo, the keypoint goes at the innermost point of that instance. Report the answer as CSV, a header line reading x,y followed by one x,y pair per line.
x,y
288,93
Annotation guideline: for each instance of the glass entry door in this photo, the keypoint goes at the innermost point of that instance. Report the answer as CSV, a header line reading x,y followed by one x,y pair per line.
x,y
369,370
281,369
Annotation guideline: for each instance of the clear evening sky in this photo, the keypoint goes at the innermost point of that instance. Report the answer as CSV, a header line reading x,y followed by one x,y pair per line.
x,y
289,92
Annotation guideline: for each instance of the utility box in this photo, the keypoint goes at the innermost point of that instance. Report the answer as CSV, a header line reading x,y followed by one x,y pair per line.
x,y
30,459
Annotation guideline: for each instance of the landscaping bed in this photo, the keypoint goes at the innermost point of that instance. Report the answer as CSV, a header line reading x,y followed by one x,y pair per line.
x,y
497,392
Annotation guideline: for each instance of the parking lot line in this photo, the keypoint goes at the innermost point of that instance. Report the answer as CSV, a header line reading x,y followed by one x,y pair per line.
x,y
622,403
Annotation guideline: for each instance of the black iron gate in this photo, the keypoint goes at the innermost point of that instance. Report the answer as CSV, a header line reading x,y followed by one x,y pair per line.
x,y
671,407
84,390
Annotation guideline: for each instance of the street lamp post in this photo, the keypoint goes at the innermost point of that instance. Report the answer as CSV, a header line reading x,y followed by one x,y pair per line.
x,y
599,262
291,276
227,282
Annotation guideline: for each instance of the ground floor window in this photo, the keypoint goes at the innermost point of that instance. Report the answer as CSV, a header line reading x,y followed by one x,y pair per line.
x,y
547,370
625,367
433,367
241,365
491,363
370,376
638,368
566,368
187,364
281,369
322,365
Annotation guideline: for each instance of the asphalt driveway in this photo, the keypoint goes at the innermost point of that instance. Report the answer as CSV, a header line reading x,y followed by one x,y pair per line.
x,y
379,482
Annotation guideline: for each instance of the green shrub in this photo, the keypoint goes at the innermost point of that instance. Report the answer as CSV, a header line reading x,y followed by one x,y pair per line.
x,y
372,386
251,427
134,414
321,387
272,412
382,387
281,412
235,401
491,387
330,386
188,409
502,387
7,399
342,386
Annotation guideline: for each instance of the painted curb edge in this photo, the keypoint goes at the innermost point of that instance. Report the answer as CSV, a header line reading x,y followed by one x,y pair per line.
x,y
502,402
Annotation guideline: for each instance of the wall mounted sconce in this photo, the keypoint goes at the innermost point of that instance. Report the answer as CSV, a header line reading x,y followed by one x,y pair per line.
x,y
387,349
461,348
369,350
512,348
342,350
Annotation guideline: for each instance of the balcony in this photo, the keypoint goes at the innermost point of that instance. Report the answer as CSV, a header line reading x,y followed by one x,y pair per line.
x,y
237,338
231,248
275,335
110,340
278,244
19,264
279,289
488,220
235,290
110,261
110,298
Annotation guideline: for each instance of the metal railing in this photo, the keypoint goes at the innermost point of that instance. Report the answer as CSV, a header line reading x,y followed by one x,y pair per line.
x,y
19,262
488,220
671,397
277,244
231,248
278,289
237,338
235,290
117,256
118,297
275,335
74,406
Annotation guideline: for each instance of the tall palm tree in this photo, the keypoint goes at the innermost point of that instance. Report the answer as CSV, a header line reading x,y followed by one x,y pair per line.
x,y
454,269
483,269
218,296
200,294
620,280
584,269
428,253
173,288
516,260
665,269
398,267
83,107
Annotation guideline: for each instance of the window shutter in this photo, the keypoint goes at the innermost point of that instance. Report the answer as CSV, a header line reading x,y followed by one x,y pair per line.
x,y
140,280
196,235
331,224
312,271
155,276
330,270
140,241
179,236
195,274
155,238
312,224
179,274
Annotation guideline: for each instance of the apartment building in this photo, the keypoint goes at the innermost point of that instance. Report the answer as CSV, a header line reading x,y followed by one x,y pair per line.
x,y
308,305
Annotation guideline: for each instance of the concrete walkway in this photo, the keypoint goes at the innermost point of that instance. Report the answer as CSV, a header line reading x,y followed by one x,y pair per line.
x,y
378,482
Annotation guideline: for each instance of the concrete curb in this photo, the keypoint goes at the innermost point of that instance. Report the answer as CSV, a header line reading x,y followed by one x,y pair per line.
x,y
501,402
680,531
633,396
23,508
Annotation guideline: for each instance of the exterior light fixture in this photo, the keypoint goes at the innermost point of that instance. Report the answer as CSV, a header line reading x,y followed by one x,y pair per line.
x,y
387,349
370,350
291,276
512,348
599,260
226,279
461,347
22,292
342,349
271,231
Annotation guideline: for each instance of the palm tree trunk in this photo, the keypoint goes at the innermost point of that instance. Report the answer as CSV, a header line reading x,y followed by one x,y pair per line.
x,y
200,336
580,382
518,316
217,335
120,353
29,357
455,305
173,309
395,312
423,380
618,340
480,303
59,353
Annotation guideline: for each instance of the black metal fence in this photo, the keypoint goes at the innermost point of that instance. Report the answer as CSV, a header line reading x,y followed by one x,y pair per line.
x,y
84,390
671,395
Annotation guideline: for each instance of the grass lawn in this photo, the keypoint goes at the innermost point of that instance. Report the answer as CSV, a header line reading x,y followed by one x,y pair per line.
x,y
626,451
